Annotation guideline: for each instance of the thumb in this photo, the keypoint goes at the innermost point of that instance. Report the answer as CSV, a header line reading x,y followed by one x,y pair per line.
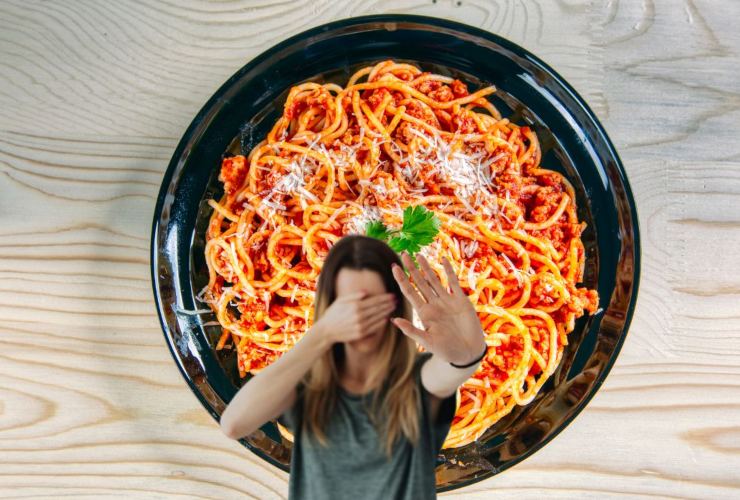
x,y
408,328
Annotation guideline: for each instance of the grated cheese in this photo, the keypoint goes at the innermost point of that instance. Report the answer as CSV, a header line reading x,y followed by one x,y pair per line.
x,y
514,269
471,276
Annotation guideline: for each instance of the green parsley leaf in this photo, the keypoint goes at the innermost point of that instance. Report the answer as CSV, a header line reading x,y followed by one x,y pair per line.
x,y
400,243
376,229
419,228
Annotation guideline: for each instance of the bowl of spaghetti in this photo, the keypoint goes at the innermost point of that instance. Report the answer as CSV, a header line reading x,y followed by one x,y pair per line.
x,y
354,123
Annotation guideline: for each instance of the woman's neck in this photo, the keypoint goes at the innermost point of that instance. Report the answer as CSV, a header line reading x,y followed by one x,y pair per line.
x,y
356,368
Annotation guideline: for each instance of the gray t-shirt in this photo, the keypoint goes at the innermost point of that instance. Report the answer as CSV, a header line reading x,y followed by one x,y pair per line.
x,y
354,465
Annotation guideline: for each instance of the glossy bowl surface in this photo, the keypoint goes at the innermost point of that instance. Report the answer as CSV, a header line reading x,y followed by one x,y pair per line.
x,y
573,141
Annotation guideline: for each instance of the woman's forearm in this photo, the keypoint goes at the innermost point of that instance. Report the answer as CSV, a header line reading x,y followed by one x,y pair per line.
x,y
272,390
441,378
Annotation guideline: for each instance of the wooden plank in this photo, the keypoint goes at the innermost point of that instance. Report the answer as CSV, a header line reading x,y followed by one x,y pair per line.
x,y
93,99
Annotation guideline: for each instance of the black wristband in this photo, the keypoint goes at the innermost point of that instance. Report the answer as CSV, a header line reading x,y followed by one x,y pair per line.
x,y
483,355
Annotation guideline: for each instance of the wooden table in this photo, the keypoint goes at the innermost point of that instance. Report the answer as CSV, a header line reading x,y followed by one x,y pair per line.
x,y
94,97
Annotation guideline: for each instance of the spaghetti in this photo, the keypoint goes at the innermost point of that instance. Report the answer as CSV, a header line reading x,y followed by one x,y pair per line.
x,y
340,157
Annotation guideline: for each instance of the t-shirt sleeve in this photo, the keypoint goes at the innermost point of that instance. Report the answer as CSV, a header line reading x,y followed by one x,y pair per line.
x,y
291,418
440,427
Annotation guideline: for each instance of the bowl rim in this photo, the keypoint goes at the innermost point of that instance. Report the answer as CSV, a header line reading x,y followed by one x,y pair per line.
x,y
197,123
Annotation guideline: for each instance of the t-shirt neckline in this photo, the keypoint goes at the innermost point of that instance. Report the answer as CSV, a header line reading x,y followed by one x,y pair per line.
x,y
352,395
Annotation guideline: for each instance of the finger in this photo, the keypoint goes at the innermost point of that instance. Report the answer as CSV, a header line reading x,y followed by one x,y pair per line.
x,y
408,329
370,325
431,277
382,308
417,301
374,300
452,277
421,284
375,325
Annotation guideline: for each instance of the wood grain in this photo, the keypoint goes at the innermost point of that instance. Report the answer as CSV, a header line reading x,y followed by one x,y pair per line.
x,y
93,99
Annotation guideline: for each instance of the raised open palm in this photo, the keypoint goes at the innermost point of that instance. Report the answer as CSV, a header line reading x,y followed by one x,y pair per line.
x,y
452,329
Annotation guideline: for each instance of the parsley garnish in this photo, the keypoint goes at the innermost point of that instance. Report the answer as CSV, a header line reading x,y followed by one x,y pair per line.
x,y
420,226
377,229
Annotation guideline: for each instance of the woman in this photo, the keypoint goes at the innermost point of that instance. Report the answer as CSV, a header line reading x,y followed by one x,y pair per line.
x,y
368,411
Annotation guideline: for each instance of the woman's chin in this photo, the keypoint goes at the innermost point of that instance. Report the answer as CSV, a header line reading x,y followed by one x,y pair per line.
x,y
368,343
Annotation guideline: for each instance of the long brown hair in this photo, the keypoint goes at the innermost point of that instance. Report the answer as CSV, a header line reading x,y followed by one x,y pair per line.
x,y
396,395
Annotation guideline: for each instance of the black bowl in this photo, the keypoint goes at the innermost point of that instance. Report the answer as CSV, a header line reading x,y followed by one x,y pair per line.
x,y
573,141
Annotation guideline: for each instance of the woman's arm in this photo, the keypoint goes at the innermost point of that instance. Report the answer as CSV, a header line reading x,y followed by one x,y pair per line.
x,y
453,332
257,401
442,379
273,390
